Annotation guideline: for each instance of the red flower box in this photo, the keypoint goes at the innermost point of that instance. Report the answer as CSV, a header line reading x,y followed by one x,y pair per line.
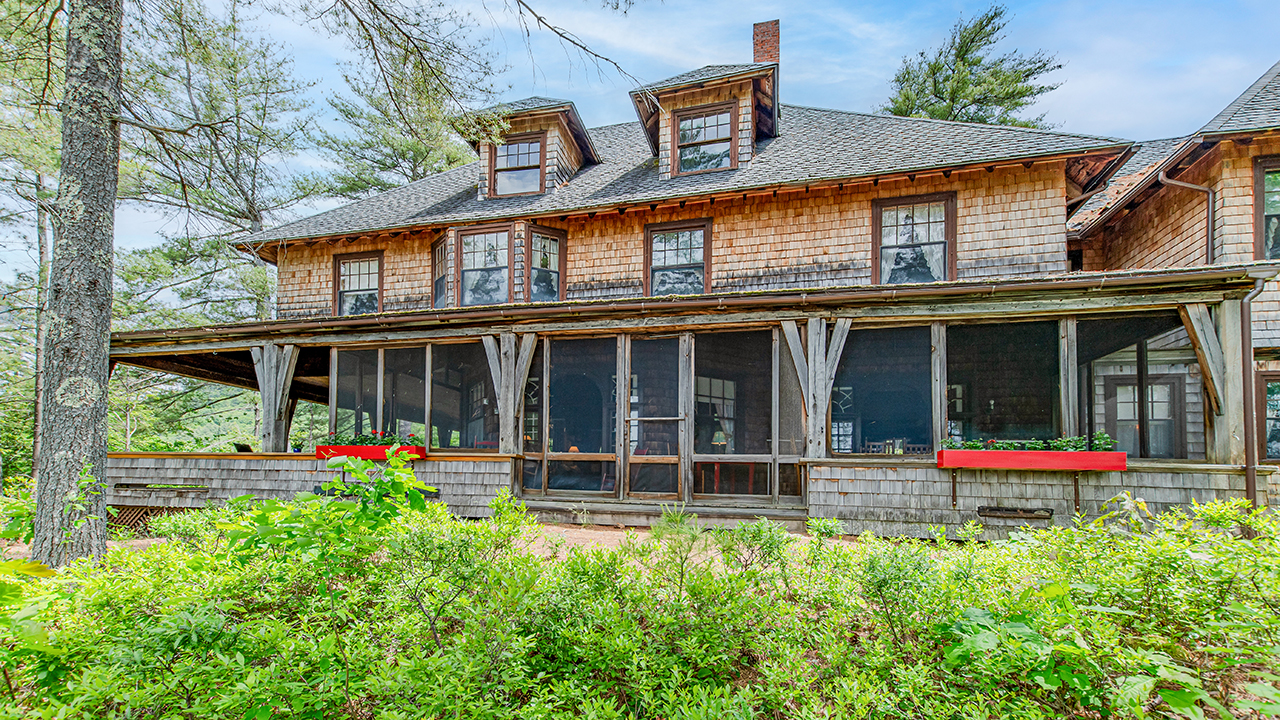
x,y
367,452
1069,460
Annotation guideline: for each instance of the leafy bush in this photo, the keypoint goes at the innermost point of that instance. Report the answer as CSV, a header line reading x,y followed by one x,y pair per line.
x,y
1098,442
373,603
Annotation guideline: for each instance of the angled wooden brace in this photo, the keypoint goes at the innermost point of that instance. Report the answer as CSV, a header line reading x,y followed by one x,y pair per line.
x,y
1204,338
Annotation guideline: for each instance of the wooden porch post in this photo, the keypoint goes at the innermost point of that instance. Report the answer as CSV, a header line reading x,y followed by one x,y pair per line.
x,y
1228,428
274,365
816,366
938,380
1068,377
509,368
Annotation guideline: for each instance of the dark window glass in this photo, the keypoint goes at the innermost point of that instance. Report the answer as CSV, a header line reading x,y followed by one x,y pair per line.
x,y
544,268
404,393
1273,419
1110,354
531,474
518,168
880,401
1007,375
440,271
484,268
1271,214
582,475
655,381
913,243
655,478
464,411
582,405
676,262
733,380
358,286
788,480
730,478
357,396
704,141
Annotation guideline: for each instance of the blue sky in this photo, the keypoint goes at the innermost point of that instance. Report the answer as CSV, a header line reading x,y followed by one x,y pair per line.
x,y
1135,70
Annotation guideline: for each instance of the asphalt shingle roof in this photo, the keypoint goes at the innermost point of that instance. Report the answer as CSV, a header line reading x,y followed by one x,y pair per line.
x,y
527,104
703,74
1149,155
1257,108
812,145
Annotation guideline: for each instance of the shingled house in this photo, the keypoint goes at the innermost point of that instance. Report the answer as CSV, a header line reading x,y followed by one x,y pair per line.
x,y
750,307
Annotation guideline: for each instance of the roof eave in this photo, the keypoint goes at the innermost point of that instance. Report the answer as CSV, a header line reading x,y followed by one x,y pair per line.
x,y
1151,178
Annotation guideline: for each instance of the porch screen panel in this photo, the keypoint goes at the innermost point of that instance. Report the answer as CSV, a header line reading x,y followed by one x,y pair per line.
x,y
733,412
404,394
791,436
464,409
582,417
1114,379
531,424
1002,381
654,404
880,400
357,393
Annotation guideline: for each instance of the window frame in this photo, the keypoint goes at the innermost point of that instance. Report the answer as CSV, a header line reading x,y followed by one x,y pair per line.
x,y
1178,399
949,221
703,224
1260,380
438,273
338,259
560,235
730,106
541,137
459,235
1261,166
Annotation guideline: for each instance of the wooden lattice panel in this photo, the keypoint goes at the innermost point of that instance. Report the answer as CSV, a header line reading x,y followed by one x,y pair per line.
x,y
135,517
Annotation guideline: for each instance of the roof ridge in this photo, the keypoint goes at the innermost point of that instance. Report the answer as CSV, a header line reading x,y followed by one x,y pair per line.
x,y
1040,131
1235,106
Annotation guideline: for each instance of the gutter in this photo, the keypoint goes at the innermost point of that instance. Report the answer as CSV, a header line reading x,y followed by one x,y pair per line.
x,y
1213,201
798,298
1260,277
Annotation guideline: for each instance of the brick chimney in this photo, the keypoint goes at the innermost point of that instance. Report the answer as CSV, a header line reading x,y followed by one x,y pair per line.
x,y
766,41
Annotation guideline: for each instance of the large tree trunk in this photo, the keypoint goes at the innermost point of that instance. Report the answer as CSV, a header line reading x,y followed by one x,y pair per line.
x,y
42,317
70,497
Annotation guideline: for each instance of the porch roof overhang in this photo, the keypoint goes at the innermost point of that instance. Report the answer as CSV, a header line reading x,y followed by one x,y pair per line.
x,y
221,353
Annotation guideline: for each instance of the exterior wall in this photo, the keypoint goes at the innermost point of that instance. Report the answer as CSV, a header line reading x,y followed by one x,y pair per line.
x,y
304,284
1010,222
739,92
906,500
1168,230
466,486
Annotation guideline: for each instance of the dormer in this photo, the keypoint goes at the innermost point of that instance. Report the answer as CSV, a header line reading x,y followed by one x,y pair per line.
x,y
546,144
710,119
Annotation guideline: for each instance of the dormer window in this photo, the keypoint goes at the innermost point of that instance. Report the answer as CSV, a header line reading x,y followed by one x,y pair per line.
x,y
704,139
518,165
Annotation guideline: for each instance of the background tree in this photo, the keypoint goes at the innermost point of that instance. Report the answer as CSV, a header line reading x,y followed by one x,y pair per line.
x,y
380,147
962,80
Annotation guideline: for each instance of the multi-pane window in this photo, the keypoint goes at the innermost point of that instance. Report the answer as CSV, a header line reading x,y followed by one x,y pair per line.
x,y
517,168
544,267
440,275
1271,432
677,261
484,268
704,140
716,401
1270,213
358,280
912,240
1161,419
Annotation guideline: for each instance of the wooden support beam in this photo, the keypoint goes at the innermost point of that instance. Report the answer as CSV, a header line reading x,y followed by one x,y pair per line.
x,y
819,389
938,381
1228,428
1204,338
274,366
796,347
1068,377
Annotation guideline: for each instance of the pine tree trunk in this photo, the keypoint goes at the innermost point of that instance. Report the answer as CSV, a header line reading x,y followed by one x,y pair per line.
x,y
42,317
70,498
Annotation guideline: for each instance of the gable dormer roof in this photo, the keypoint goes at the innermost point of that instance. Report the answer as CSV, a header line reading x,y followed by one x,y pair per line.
x,y
764,77
549,106
1257,108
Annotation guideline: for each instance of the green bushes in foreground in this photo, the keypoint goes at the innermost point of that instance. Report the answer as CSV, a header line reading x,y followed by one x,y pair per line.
x,y
378,605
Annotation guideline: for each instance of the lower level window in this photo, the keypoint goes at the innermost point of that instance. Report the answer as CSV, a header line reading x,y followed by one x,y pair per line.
x,y
677,259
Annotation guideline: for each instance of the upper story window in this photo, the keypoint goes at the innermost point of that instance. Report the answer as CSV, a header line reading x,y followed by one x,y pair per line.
x,y
439,275
484,273
704,139
1267,199
678,258
358,283
546,265
913,239
518,166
